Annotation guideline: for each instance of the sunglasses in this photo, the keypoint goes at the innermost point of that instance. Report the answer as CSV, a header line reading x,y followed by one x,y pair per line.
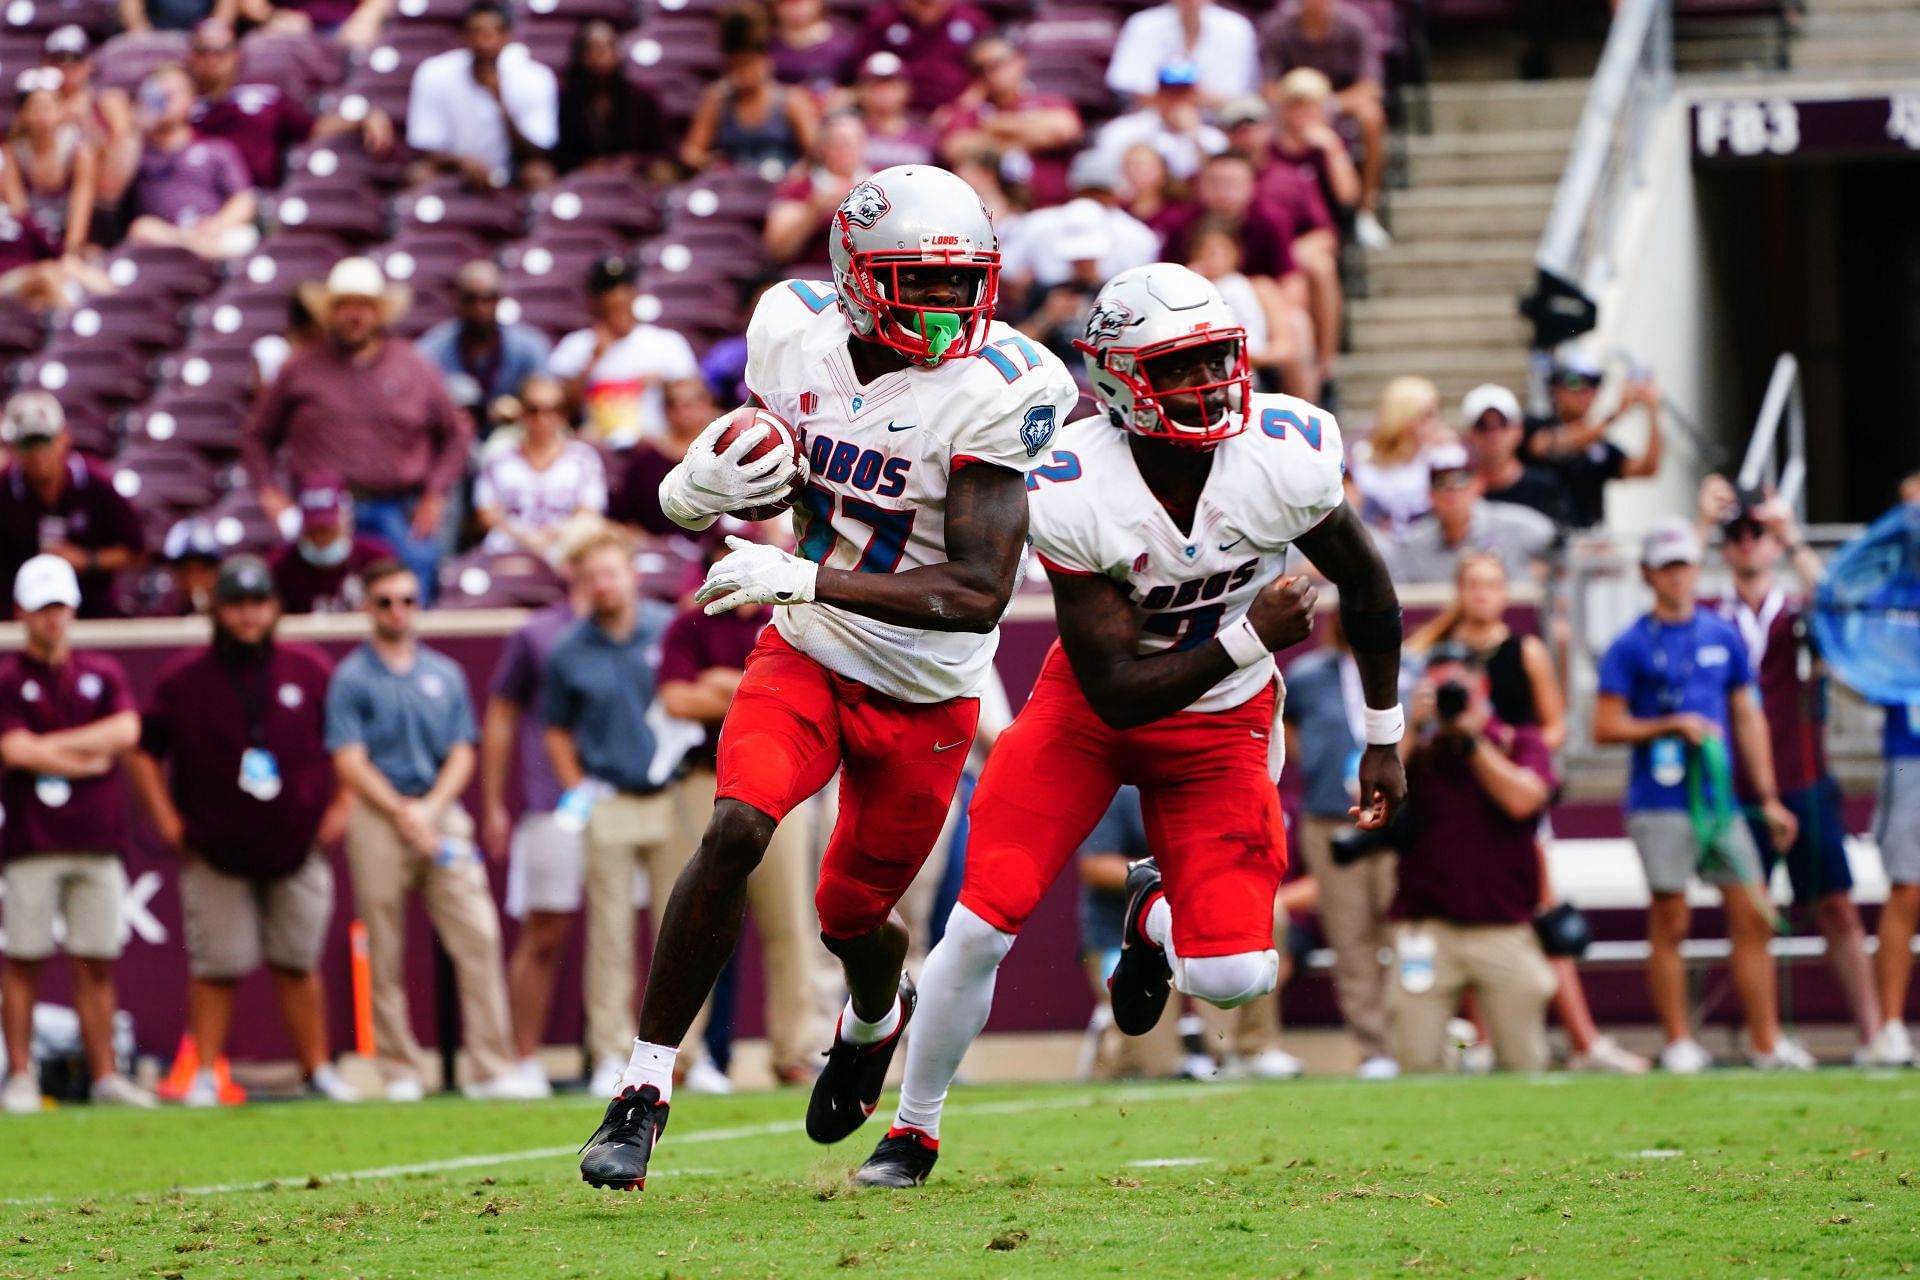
x,y
1742,530
1452,480
1492,422
63,59
544,408
1576,382
395,602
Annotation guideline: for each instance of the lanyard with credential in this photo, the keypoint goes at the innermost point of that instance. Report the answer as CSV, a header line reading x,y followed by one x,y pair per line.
x,y
1673,692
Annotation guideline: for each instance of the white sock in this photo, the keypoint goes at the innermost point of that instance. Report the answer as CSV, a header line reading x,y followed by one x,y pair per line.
x,y
651,1064
1159,929
956,994
854,1031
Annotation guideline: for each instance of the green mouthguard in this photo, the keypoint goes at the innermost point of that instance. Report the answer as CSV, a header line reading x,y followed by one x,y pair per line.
x,y
941,329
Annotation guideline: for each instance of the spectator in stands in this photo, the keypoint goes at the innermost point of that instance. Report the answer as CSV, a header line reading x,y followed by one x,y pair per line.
x,y
488,111
1461,519
545,857
747,119
1279,334
1078,242
614,370
690,406
1336,40
1172,123
270,351
139,16
1387,474
801,212
320,570
527,492
1492,415
400,729
54,501
104,116
1224,196
1035,252
1147,188
1576,445
51,171
66,718
190,192
472,344
701,662
1035,132
353,23
250,806
365,405
894,134
606,120
32,270
931,37
610,752
1307,141
811,49
981,170
1676,685
182,586
1470,877
1209,36
1755,533
262,121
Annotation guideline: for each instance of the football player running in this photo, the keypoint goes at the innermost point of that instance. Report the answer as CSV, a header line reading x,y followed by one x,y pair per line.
x,y
920,415
1164,527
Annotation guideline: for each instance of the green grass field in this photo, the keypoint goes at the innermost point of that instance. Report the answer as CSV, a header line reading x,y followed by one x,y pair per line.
x,y
1732,1174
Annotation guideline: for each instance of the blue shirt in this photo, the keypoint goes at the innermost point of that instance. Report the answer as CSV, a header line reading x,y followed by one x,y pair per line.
x,y
1662,669
1103,912
1900,735
1317,710
600,690
409,721
520,679
523,351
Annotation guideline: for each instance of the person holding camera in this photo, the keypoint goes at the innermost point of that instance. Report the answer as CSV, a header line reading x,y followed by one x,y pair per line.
x,y
1469,872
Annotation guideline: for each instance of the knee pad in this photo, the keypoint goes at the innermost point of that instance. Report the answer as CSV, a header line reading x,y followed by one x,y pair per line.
x,y
848,908
1228,982
973,942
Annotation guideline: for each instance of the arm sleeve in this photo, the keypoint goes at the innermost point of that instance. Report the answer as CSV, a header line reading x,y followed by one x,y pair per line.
x,y
569,359
680,363
486,492
12,709
454,431
1617,667
562,702
465,728
1135,65
156,722
1010,421
230,172
539,115
346,727
118,695
681,655
516,675
427,125
1739,666
1530,753
593,482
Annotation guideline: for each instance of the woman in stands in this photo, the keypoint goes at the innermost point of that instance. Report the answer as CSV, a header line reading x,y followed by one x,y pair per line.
x,y
810,50
51,171
527,490
105,115
1147,189
747,119
1279,334
1387,472
1525,691
606,120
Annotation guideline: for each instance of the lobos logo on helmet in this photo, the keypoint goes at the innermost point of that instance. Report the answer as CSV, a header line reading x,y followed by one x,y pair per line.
x,y
1106,321
865,205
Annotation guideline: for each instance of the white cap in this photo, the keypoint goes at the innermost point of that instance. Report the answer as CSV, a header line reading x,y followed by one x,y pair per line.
x,y
1670,541
1490,395
1082,234
45,580
32,415
1448,457
356,278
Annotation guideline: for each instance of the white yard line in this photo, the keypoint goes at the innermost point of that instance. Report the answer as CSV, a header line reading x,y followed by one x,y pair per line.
x,y
1169,1162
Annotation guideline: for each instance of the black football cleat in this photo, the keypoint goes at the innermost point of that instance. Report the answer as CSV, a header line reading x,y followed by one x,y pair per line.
x,y
1140,982
904,1158
849,1085
617,1153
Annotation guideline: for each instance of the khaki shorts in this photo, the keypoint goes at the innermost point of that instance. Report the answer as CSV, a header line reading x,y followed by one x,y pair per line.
x,y
1672,855
546,866
81,889
234,924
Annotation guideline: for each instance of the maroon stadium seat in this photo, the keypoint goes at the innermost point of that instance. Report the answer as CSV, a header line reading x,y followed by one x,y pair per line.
x,y
626,205
208,369
287,258
113,375
301,65
496,580
442,13
242,312
241,524
621,13
97,16
123,320
444,204
428,258
343,153
151,271
670,45
350,209
21,331
124,61
725,195
201,425
162,476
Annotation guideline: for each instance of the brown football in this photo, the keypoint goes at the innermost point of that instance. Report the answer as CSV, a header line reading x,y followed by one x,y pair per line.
x,y
781,436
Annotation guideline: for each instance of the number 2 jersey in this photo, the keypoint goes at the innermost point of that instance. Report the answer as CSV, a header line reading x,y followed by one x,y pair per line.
x,y
881,455
1091,513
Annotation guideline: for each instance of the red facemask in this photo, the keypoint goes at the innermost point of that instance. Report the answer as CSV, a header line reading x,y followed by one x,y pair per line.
x,y
1210,431
925,335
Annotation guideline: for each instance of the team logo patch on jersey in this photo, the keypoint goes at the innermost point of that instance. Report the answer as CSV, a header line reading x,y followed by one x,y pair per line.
x,y
1037,430
1106,321
865,205
808,402
290,696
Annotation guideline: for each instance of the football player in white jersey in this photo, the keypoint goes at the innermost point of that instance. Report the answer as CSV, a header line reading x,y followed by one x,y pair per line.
x,y
1164,526
920,416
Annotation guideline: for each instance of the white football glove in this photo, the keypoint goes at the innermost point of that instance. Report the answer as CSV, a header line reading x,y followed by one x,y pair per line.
x,y
756,573
707,485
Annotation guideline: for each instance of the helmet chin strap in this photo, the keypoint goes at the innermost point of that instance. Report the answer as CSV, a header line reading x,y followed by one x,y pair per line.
x,y
941,329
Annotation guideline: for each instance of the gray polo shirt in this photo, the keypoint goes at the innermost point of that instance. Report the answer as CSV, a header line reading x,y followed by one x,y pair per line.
x,y
600,690
409,721
1518,535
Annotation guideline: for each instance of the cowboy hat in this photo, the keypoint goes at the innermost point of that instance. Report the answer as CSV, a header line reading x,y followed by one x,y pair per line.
x,y
356,278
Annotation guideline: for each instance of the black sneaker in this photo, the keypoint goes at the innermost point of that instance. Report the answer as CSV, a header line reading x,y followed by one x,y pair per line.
x,y
904,1158
617,1153
849,1085
1138,986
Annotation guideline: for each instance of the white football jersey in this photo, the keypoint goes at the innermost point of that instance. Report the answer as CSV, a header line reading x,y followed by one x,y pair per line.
x,y
881,454
1091,513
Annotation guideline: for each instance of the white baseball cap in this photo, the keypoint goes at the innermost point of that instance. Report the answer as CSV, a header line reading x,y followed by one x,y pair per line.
x,y
32,415
1670,541
45,580
1490,395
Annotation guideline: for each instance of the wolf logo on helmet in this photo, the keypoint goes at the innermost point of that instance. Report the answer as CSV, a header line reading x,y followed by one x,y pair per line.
x,y
1107,320
1155,316
865,205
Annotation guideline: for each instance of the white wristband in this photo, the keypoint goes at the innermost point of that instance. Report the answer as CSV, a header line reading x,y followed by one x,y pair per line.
x,y
1244,645
1385,728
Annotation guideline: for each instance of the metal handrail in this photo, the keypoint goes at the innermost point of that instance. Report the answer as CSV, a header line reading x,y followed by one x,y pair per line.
x,y
1785,404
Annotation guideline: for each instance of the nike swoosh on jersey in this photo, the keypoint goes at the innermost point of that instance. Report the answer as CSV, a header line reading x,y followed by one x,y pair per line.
x,y
938,748
1228,546
910,426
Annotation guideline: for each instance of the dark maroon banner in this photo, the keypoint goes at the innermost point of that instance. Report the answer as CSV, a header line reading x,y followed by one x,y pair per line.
x,y
1778,126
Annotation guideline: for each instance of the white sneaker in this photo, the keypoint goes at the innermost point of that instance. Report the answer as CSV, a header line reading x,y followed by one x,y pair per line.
x,y
326,1082
1606,1055
1685,1057
607,1074
1893,1047
1276,1064
406,1089
1379,1067
204,1091
21,1096
118,1091
508,1086
1198,1066
1368,231
1787,1055
704,1076
534,1073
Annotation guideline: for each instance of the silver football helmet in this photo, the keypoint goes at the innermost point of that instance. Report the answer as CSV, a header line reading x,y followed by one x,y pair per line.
x,y
1146,314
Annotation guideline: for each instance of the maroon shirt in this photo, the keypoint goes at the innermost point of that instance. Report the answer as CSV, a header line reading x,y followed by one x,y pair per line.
x,y
207,709
1346,53
1264,237
91,816
88,513
636,499
261,122
1048,183
1470,863
1796,710
935,55
189,183
386,425
1296,184
694,643
305,587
